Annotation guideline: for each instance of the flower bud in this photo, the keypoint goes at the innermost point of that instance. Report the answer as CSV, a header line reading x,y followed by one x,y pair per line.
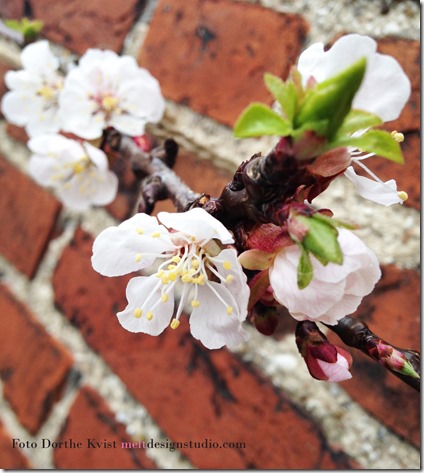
x,y
394,359
325,361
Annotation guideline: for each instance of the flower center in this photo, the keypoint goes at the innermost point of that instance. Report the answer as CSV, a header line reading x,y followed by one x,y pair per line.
x,y
110,103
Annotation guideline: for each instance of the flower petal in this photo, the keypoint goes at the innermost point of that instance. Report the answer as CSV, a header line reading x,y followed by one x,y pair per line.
x,y
336,372
210,322
38,58
119,250
198,223
134,317
381,193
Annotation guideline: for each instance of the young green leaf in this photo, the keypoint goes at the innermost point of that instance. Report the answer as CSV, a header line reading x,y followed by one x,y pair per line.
x,y
305,270
379,142
284,93
258,120
321,240
358,120
332,99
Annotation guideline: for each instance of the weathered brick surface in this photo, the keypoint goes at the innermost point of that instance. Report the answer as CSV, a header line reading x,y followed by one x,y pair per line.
x,y
28,215
10,458
33,366
407,52
90,419
193,393
82,24
12,9
211,54
17,133
392,311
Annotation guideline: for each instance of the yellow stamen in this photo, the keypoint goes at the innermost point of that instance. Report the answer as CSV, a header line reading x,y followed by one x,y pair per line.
x,y
175,324
139,231
176,259
195,303
229,310
80,166
229,278
109,103
149,315
138,257
227,265
195,264
46,92
403,195
399,137
199,280
171,267
155,235
138,313
164,298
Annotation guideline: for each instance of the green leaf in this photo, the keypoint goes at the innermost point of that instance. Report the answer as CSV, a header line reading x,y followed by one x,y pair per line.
x,y
335,222
284,93
321,240
30,29
358,120
305,270
332,99
379,142
258,120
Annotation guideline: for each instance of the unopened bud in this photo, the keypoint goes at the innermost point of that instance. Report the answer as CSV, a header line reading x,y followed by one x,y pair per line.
x,y
325,361
395,360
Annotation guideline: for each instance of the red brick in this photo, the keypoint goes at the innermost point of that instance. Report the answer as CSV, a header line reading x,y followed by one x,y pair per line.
x,y
12,9
17,133
11,458
83,24
407,52
33,366
28,215
193,393
392,311
211,54
90,418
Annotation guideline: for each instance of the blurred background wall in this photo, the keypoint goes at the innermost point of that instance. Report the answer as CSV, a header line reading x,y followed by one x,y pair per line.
x,y
70,373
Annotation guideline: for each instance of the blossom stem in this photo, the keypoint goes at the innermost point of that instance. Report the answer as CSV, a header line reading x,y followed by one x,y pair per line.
x,y
355,333
161,182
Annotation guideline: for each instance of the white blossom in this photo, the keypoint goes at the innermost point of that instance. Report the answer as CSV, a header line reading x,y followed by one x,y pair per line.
x,y
108,90
335,290
32,101
384,92
385,88
191,249
78,171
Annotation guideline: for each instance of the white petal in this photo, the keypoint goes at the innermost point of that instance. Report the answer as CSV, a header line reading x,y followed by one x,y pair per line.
x,y
119,250
18,109
385,88
211,324
237,284
381,193
336,372
97,156
47,121
139,290
37,57
93,57
25,82
106,189
127,124
309,60
198,223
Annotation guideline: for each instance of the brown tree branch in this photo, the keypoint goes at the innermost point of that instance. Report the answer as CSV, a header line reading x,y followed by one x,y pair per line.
x,y
356,333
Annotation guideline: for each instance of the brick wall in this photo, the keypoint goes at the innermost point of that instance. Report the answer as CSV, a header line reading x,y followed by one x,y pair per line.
x,y
69,371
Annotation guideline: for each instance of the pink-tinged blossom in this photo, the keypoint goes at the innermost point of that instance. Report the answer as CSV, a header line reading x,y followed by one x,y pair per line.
x,y
335,290
384,92
77,171
32,101
193,259
108,90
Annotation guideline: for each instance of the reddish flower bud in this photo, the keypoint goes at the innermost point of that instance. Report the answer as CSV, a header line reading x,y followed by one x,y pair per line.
x,y
393,359
325,361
